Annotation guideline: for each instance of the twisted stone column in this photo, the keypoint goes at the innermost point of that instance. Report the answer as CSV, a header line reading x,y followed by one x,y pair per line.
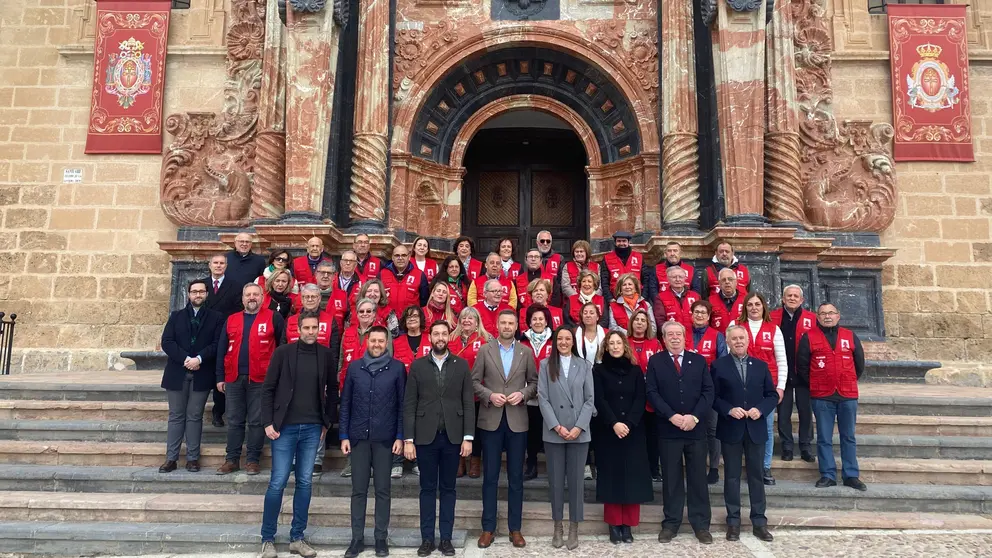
x,y
783,179
368,175
679,125
269,188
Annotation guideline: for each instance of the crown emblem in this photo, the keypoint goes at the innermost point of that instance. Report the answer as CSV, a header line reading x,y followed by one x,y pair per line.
x,y
929,51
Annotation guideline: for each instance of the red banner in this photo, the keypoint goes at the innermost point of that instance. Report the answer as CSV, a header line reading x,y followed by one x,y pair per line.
x,y
931,111
128,76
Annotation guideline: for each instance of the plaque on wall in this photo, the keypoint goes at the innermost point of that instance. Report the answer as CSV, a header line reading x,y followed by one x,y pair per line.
x,y
520,10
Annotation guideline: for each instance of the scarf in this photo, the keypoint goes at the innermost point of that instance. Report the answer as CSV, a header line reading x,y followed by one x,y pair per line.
x,y
584,298
537,340
631,301
283,304
374,364
619,364
622,253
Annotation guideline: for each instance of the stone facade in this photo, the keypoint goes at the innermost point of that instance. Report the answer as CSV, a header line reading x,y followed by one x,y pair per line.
x,y
82,266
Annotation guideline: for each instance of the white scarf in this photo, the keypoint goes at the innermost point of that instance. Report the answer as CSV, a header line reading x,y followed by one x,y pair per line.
x,y
537,340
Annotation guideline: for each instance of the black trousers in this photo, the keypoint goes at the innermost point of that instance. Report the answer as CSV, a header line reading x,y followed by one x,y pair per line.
x,y
651,431
800,396
535,431
753,454
679,482
370,460
220,404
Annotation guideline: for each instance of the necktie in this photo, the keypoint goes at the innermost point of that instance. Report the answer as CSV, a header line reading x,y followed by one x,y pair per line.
x,y
216,286
678,367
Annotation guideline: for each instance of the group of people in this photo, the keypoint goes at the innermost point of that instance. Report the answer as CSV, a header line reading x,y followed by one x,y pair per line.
x,y
611,364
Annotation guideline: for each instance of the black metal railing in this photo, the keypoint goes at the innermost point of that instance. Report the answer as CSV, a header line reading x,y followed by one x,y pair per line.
x,y
6,341
877,7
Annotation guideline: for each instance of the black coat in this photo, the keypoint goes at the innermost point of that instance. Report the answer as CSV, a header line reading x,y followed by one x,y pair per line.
x,y
730,392
424,401
622,463
277,390
688,393
227,300
244,269
176,345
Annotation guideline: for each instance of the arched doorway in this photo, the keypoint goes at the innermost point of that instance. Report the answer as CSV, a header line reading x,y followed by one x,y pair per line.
x,y
525,173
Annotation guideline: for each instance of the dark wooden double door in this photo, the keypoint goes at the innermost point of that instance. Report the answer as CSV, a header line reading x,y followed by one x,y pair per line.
x,y
522,181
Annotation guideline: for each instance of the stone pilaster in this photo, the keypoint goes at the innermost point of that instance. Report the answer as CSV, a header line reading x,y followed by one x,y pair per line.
x,y
368,175
269,188
783,180
679,125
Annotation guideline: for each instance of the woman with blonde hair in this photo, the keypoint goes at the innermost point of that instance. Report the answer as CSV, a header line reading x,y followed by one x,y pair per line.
x,y
374,290
626,300
571,271
465,341
279,296
439,306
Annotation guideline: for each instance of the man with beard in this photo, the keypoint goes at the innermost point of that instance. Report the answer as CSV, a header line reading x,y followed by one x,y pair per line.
x,y
724,258
439,422
623,260
243,354
550,260
305,266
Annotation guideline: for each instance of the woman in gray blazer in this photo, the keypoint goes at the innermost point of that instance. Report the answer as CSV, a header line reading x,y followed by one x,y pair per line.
x,y
565,397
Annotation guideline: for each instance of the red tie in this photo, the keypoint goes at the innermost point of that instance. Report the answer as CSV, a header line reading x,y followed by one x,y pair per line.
x,y
678,367
216,286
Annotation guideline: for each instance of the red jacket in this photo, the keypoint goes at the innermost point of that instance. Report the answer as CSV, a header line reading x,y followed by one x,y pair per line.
x,y
324,325
764,347
721,318
617,268
430,268
370,268
458,296
489,318
573,272
539,356
404,291
575,307
337,306
551,266
743,277
474,269
403,353
557,318
513,271
668,308
832,370
301,269
661,270
431,315
352,347
707,345
261,345
468,349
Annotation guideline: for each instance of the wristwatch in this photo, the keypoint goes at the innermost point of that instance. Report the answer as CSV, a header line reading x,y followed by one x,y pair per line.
x,y
696,420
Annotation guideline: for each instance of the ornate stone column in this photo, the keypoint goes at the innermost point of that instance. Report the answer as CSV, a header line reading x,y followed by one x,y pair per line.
x,y
269,189
739,62
311,58
371,137
783,181
679,125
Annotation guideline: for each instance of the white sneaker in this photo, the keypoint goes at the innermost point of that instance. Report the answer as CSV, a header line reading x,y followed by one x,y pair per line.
x,y
269,550
588,473
416,470
397,472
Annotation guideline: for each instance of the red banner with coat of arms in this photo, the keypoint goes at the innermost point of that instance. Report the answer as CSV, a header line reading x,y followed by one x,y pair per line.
x,y
128,76
930,104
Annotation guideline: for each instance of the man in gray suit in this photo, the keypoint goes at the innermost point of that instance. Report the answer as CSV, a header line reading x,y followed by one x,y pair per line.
x,y
439,415
504,377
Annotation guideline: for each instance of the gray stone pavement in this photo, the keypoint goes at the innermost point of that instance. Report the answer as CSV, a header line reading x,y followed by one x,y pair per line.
x,y
787,544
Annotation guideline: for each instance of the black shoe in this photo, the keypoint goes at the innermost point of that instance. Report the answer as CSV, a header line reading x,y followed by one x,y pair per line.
x,y
666,536
787,455
446,547
318,469
530,473
762,533
426,548
219,422
714,476
625,534
768,478
381,548
733,532
704,536
824,482
656,478
616,534
855,483
808,457
168,467
354,549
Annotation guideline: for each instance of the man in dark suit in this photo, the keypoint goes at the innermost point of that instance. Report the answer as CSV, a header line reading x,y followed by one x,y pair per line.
x,y
504,377
439,421
223,296
744,393
680,388
190,341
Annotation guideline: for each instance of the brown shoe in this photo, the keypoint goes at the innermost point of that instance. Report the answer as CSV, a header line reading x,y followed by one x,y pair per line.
x,y
461,468
486,539
517,539
252,469
228,467
475,468
193,465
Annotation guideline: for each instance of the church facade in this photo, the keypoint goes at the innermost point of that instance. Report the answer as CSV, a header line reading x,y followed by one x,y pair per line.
x,y
765,124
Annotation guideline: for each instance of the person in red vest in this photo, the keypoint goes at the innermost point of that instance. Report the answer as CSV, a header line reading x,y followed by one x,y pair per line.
x,y
305,266
674,303
369,266
279,258
724,258
464,248
588,289
550,260
728,302
385,316
794,321
465,341
765,342
711,344
452,274
673,258
405,284
570,272
412,343
627,299
491,306
621,261
538,293
422,258
831,360
347,279
506,248
243,353
310,300
438,307
537,338
494,271
644,344
532,271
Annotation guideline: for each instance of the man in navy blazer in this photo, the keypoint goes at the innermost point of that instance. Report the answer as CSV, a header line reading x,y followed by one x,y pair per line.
x,y
744,395
190,341
224,296
680,388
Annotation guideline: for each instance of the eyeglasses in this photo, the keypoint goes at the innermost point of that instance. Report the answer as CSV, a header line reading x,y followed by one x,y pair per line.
x,y
494,290
829,313
401,255
198,291
366,311
325,273
280,259
310,297
544,241
349,260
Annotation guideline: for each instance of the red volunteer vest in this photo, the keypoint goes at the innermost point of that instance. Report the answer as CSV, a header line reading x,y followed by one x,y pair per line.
x,y
337,306
301,269
721,318
539,356
557,318
743,278
512,272
807,321
676,311
431,316
523,297
324,323
352,347
575,307
370,269
405,292
617,268
403,353
467,349
764,347
551,266
620,315
430,268
661,270
474,269
504,282
832,371
574,271
489,318
261,344
707,344
457,295
643,350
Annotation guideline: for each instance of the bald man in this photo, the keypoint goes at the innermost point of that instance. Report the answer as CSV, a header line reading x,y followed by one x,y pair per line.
x,y
243,266
305,267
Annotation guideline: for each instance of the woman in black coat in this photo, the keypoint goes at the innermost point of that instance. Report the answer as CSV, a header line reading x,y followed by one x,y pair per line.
x,y
624,479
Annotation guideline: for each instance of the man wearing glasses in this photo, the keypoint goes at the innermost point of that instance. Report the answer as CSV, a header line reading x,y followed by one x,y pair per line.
x,y
550,260
305,266
243,265
534,269
831,360
369,266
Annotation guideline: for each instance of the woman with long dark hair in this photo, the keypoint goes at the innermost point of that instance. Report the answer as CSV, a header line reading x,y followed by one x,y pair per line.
x,y
452,274
422,258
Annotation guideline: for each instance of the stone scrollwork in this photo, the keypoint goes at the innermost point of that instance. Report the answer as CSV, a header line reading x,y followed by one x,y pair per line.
x,y
637,49
745,5
414,48
848,176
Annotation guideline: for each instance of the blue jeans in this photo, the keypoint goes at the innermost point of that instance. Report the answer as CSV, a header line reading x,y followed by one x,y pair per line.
x,y
299,442
846,414
770,444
